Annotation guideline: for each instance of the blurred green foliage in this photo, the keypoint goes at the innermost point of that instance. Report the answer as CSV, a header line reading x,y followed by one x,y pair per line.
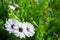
x,y
43,14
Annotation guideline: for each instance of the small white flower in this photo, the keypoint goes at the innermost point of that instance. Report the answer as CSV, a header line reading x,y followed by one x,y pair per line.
x,y
19,30
10,25
24,29
11,7
29,29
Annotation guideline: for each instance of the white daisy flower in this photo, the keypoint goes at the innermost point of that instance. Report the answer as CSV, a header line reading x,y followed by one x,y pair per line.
x,y
11,7
10,25
19,30
29,29
24,29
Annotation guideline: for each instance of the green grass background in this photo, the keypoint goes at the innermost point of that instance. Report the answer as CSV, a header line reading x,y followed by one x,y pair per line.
x,y
43,14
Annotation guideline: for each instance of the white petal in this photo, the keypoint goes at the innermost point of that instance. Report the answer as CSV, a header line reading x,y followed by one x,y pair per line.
x,y
16,33
16,27
22,35
26,33
20,24
7,26
31,31
30,34
30,26
10,30
10,21
7,29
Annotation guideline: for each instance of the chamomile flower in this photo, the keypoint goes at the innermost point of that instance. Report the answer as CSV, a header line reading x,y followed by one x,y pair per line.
x,y
29,29
10,25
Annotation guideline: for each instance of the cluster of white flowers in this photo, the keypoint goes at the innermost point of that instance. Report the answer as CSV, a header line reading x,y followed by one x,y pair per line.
x,y
20,29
